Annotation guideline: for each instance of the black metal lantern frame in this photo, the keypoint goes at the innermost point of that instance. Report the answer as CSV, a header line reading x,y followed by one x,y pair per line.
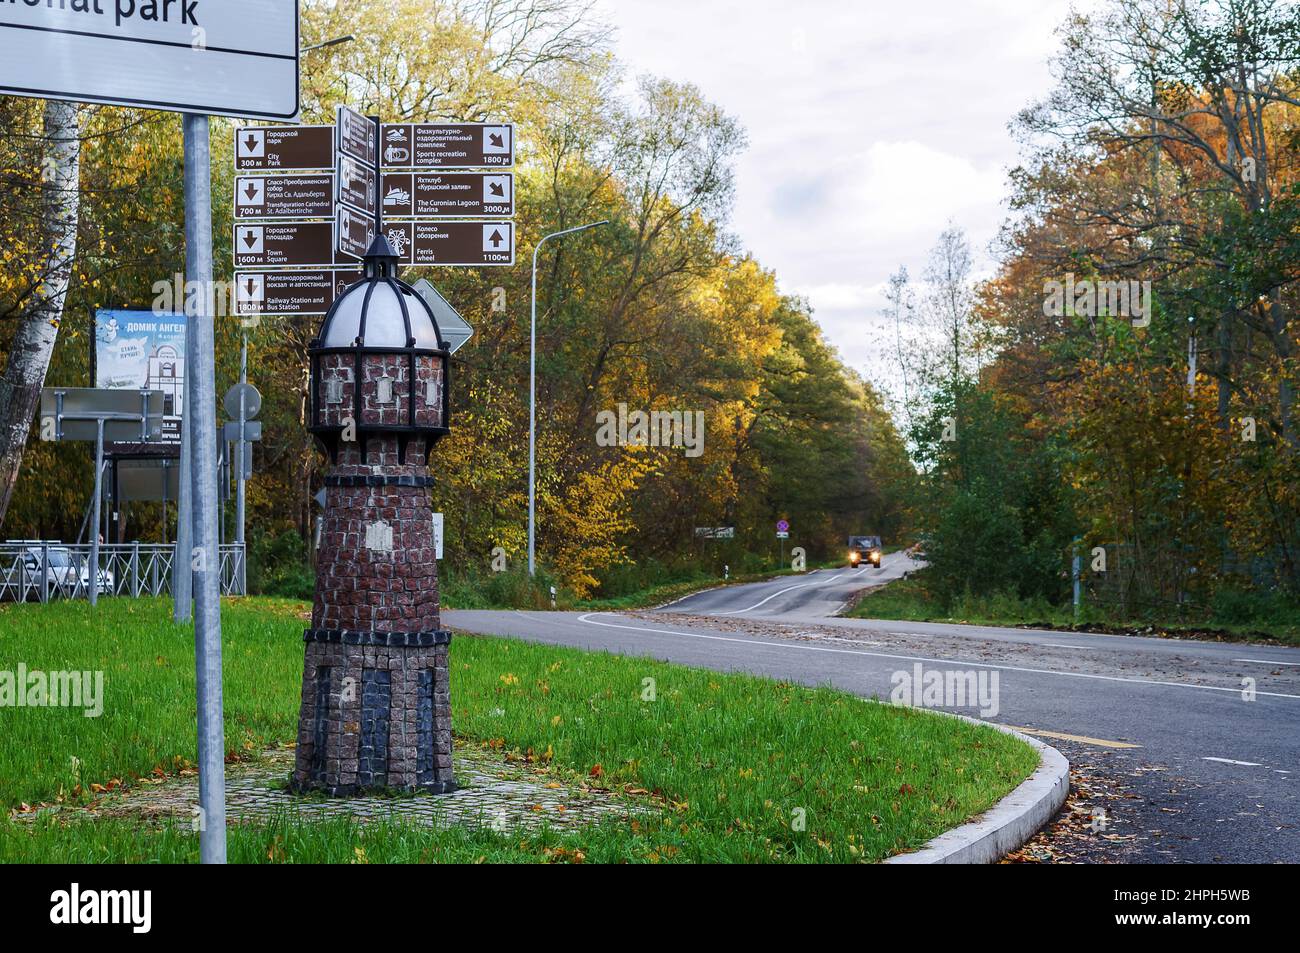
x,y
381,273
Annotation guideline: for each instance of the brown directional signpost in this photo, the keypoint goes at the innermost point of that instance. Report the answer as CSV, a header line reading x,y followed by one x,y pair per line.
x,y
290,292
283,244
447,145
448,194
283,148
309,200
284,196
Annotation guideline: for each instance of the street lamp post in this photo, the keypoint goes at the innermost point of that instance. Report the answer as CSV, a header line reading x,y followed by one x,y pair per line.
x,y
532,400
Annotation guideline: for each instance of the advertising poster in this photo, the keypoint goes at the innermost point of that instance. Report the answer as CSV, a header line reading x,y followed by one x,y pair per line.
x,y
144,349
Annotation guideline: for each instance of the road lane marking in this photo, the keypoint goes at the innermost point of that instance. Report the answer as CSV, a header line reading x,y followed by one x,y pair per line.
x,y
1058,645
1263,661
804,585
586,618
1244,764
1082,739
701,592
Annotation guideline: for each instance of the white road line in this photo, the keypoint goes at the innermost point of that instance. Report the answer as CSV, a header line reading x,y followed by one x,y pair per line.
x,y
1263,661
1244,764
804,585
920,658
1058,645
700,592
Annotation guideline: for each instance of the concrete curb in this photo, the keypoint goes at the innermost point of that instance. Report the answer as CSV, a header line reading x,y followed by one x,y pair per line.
x,y
1008,824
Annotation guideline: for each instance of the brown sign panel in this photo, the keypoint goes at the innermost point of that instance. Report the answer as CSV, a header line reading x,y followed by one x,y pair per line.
x,y
355,232
283,148
284,196
448,194
290,292
284,244
469,244
356,136
447,145
356,186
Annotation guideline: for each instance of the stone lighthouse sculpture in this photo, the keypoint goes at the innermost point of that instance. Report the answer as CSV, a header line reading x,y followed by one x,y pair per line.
x,y
376,707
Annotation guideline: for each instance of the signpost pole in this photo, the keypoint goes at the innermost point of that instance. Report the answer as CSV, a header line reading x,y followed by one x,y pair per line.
x,y
205,558
240,490
93,574
182,578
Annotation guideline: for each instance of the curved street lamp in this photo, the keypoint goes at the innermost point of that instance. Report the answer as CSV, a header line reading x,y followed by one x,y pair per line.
x,y
532,400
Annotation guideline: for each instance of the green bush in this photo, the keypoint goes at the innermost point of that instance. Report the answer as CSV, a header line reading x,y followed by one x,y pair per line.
x,y
279,566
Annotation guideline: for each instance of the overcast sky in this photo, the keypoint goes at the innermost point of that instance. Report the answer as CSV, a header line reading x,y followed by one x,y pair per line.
x,y
871,125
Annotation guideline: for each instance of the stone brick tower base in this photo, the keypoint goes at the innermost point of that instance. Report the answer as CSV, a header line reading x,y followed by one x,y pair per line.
x,y
376,705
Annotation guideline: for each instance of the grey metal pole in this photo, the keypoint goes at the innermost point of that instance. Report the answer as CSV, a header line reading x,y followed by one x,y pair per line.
x,y
182,578
94,528
1076,573
242,576
205,557
532,424
532,399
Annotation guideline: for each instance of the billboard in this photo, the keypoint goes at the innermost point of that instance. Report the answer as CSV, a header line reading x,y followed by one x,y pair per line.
x,y
138,349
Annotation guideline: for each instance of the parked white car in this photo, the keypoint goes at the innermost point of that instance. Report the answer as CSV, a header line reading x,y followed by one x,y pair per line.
x,y
66,572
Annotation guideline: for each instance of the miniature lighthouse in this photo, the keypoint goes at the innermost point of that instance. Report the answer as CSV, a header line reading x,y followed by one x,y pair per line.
x,y
376,707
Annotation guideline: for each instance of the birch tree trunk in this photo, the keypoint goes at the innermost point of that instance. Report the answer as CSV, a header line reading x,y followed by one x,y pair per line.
x,y
38,328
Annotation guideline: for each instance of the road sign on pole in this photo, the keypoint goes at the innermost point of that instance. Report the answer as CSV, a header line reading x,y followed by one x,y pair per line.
x,y
354,233
280,244
284,196
356,186
447,145
356,137
473,244
291,292
448,194
233,58
284,148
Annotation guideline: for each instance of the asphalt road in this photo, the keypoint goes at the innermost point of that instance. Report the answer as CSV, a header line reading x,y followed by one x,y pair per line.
x,y
1181,762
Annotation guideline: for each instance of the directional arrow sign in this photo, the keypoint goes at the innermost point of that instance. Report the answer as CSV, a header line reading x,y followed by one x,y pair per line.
x,y
447,145
470,244
355,232
284,148
284,196
291,292
448,194
284,244
463,243
454,329
356,136
356,186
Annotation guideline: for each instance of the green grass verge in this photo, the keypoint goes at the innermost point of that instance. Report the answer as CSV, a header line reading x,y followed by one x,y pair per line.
x,y
748,769
914,600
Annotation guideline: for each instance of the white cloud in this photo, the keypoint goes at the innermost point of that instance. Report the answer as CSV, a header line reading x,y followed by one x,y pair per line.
x,y
871,124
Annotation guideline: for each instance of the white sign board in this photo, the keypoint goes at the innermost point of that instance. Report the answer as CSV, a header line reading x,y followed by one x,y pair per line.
x,y
213,57
437,535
